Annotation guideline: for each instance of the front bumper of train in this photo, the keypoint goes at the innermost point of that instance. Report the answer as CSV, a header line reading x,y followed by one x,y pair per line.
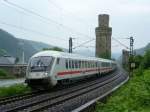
x,y
37,75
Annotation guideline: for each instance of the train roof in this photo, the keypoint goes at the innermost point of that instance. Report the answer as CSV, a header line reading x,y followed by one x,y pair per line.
x,y
59,54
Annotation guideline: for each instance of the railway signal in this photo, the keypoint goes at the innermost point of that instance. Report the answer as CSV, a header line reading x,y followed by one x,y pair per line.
x,y
131,46
131,61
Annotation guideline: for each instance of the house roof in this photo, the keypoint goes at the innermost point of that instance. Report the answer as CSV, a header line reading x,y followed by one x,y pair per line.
x,y
7,60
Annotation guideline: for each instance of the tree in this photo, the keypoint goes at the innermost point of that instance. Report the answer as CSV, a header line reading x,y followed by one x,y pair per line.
x,y
16,60
3,52
138,60
54,49
146,60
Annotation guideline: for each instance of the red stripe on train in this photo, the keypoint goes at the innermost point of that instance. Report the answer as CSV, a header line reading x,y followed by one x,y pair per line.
x,y
79,71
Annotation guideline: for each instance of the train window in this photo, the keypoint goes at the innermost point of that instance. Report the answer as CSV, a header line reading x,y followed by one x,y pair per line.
x,y
96,64
73,64
107,64
42,63
91,64
76,64
103,64
82,64
88,64
85,64
58,60
79,64
66,64
70,64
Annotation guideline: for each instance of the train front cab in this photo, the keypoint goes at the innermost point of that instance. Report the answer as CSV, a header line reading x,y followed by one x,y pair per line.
x,y
39,70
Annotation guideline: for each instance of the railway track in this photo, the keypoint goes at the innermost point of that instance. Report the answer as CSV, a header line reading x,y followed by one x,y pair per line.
x,y
48,101
7,100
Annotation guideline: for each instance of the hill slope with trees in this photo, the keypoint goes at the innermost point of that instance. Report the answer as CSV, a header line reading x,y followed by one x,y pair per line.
x,y
12,46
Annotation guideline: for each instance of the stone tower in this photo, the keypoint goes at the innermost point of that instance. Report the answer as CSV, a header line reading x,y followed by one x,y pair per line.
x,y
103,37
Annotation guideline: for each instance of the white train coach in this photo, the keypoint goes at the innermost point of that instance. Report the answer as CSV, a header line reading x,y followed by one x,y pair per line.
x,y
47,68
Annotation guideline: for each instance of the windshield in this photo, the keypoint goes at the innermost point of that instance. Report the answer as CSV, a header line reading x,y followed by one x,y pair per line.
x,y
42,63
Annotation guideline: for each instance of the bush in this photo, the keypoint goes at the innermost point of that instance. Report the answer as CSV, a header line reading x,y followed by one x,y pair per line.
x,y
53,49
134,96
3,73
146,60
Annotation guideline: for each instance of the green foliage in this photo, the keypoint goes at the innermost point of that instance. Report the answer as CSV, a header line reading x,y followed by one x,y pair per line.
x,y
105,55
16,60
3,73
141,61
54,49
138,59
3,52
14,90
134,96
146,60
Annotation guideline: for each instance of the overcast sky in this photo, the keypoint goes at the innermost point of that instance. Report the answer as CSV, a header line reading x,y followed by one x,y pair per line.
x,y
77,19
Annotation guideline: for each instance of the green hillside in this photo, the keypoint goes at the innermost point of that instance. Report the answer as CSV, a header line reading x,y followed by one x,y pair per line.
x,y
9,45
36,45
141,51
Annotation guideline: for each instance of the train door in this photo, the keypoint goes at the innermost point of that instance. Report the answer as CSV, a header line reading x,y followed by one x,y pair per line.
x,y
99,67
70,61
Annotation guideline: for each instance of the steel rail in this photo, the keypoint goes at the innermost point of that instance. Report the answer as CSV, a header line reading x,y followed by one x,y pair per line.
x,y
56,99
28,103
89,103
72,96
10,99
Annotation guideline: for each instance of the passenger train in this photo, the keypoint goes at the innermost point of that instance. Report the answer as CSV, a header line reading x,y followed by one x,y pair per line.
x,y
48,68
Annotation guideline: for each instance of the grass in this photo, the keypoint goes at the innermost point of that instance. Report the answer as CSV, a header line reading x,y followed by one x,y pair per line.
x,y
14,90
134,96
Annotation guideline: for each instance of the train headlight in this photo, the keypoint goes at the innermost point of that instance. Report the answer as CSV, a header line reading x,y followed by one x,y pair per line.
x,y
46,74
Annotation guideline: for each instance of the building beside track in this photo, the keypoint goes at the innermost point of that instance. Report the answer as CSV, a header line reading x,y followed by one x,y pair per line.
x,y
18,70
125,58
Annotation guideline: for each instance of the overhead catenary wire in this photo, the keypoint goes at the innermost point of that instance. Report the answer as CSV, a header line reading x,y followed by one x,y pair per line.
x,y
83,43
45,18
120,43
32,31
53,21
68,12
